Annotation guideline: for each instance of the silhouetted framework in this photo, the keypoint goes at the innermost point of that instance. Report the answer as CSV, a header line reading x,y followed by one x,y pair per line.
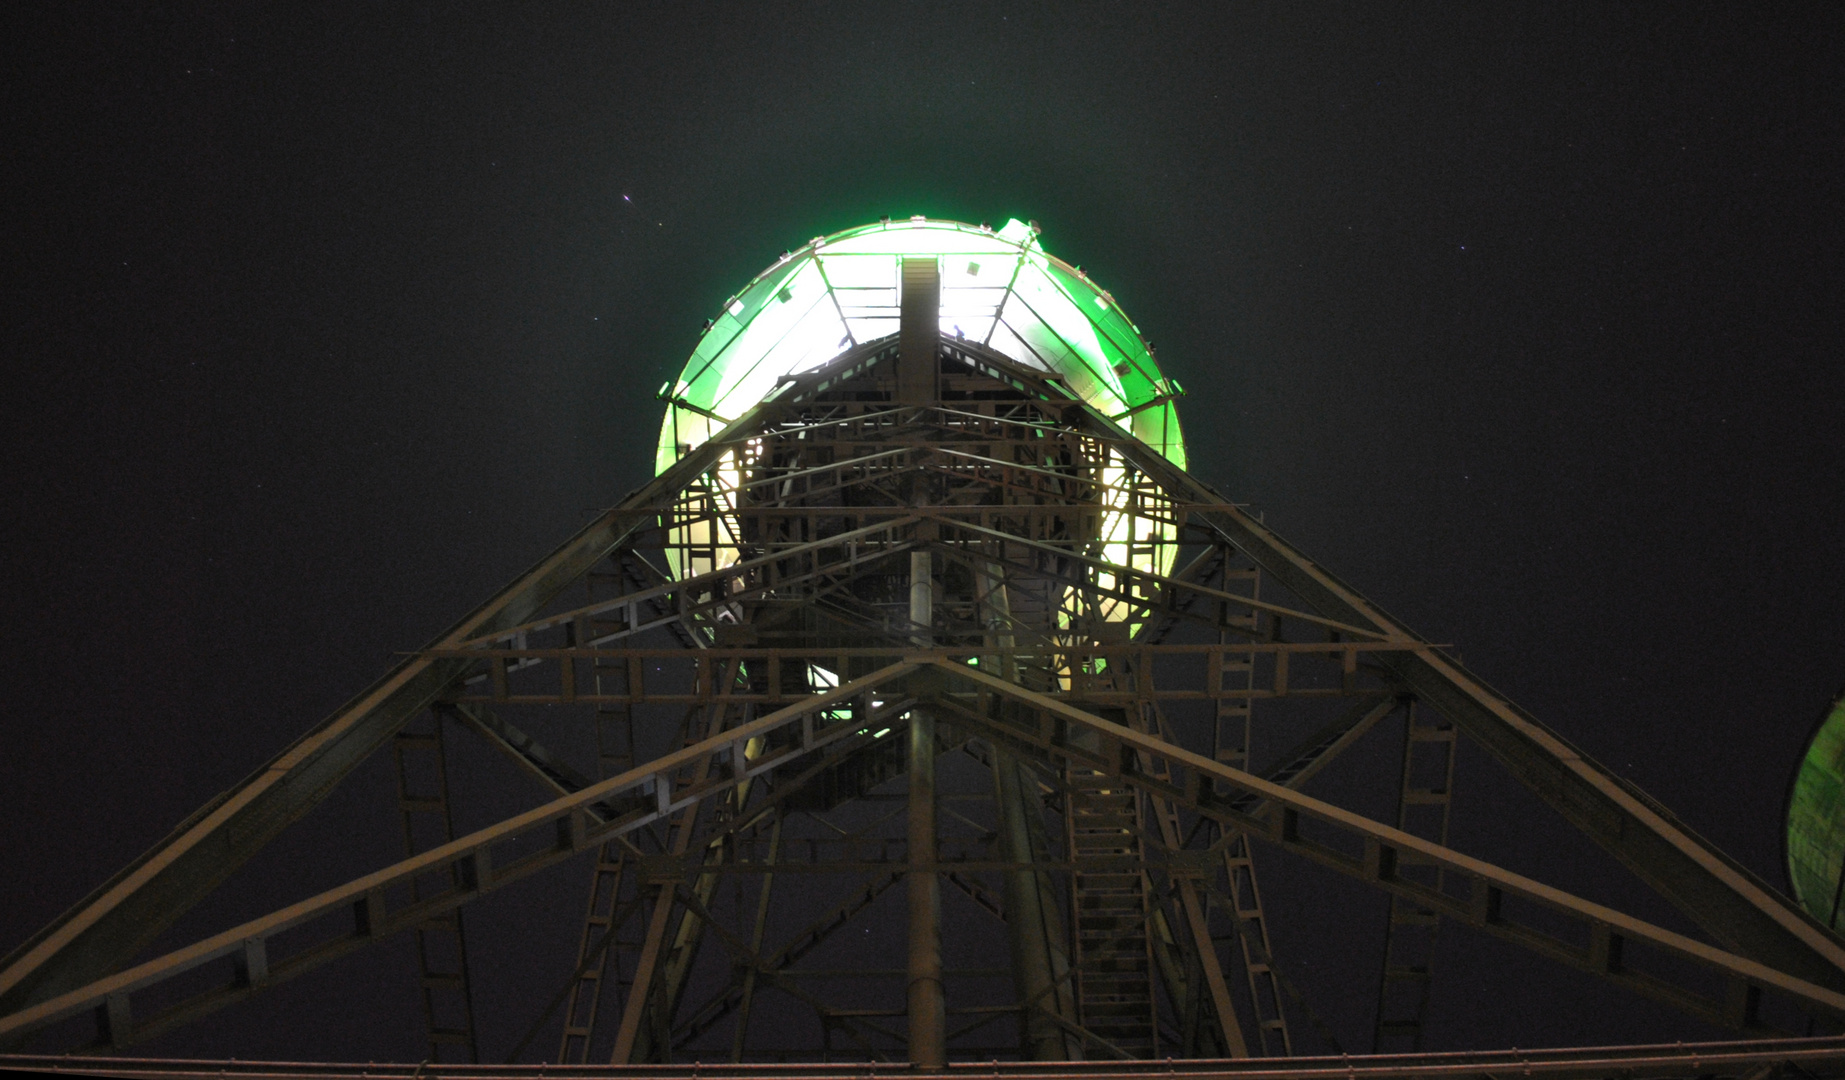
x,y
1814,1057
893,650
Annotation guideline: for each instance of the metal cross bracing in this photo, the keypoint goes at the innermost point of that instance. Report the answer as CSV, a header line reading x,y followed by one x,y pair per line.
x,y
597,958
441,939
1232,735
724,696
1425,804
1753,1059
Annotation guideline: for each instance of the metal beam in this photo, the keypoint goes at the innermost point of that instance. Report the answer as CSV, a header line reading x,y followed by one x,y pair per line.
x,y
518,747
634,1039
1035,929
365,900
919,330
1372,851
655,1034
1174,585
1819,1057
1720,895
747,992
1344,655
133,907
806,940
1318,750
927,1003
689,585
1026,730
118,919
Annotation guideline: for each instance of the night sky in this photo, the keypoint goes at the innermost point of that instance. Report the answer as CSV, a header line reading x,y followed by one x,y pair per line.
x,y
1525,321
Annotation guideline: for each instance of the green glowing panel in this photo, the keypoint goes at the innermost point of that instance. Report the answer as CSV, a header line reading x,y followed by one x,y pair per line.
x,y
998,288
1816,821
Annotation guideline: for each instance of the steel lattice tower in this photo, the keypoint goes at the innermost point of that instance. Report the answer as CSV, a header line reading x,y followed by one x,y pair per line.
x,y
923,613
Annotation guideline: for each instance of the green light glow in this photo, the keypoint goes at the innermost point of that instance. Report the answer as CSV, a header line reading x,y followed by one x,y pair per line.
x,y
999,289
1816,821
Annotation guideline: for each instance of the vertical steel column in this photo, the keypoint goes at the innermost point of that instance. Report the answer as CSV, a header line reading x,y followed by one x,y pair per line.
x,y
927,1008
762,922
919,332
641,992
1032,935
1034,930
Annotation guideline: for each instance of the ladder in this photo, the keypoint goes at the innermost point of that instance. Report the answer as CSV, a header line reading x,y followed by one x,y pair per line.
x,y
1233,733
585,995
614,756
1424,804
1252,938
1109,898
441,942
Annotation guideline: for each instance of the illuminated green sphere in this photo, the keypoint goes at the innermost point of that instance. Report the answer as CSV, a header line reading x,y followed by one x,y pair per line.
x,y
999,289
1816,821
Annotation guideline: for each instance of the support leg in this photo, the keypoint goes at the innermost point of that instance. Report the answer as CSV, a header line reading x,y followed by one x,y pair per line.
x,y
927,1010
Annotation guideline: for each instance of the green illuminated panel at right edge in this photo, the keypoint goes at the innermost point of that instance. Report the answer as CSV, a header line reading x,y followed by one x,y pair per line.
x,y
1816,821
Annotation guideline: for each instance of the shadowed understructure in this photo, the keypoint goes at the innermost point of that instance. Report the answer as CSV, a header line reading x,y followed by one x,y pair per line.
x,y
924,709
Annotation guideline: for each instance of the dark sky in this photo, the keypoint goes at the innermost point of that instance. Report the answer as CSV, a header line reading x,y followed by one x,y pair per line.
x,y
324,324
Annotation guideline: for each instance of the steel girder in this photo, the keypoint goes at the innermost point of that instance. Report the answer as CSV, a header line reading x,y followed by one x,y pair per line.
x,y
1725,899
1760,1058
122,915
1375,853
815,530
363,910
1029,723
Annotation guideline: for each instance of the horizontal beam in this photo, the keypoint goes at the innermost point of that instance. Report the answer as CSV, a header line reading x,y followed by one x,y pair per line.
x,y
1318,750
521,749
1821,1057
121,917
1173,584
685,587
564,824
1721,896
1378,854
1342,662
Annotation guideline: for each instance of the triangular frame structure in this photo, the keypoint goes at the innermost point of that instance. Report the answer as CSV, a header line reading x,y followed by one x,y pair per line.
x,y
1084,725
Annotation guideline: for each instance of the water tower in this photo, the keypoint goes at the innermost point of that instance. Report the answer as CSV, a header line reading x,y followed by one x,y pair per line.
x,y
924,708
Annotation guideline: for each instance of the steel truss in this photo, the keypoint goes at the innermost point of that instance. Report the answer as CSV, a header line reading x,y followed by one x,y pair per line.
x,y
789,649
1813,1057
